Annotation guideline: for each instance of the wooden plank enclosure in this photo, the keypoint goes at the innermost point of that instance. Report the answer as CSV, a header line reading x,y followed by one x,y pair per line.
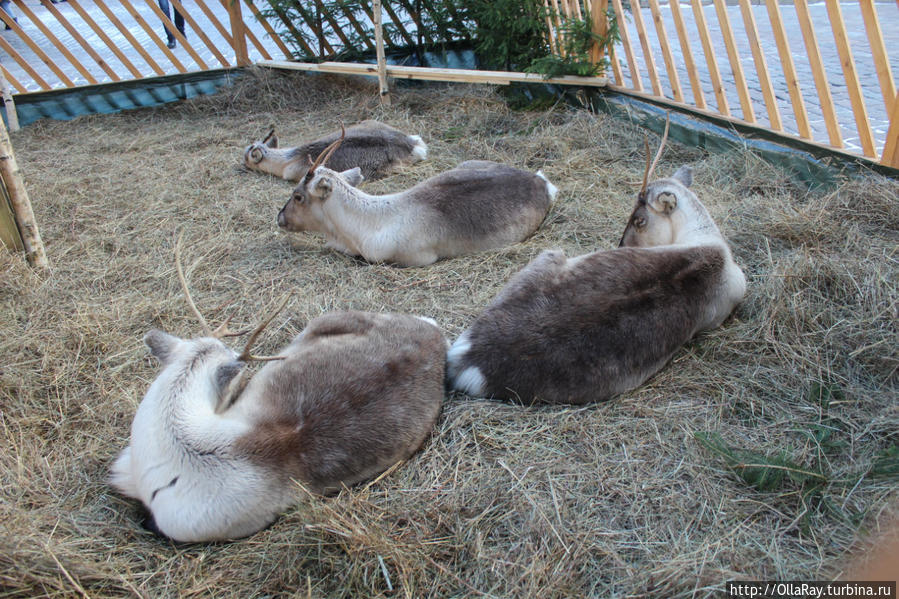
x,y
815,70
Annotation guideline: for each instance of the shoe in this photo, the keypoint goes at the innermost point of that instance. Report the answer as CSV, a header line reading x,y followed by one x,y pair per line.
x,y
172,43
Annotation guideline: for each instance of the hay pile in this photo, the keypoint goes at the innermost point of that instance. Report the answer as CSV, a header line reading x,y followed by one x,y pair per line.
x,y
623,498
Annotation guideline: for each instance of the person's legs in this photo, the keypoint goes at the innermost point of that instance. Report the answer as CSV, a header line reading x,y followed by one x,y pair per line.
x,y
6,5
164,7
179,21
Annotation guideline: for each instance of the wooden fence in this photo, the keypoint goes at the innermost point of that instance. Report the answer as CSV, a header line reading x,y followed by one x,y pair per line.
x,y
795,69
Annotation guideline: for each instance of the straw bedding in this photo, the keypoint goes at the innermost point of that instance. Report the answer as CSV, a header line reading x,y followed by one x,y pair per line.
x,y
615,499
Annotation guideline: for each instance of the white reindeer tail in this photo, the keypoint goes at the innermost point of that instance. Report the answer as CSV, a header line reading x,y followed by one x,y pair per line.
x,y
551,189
420,149
469,379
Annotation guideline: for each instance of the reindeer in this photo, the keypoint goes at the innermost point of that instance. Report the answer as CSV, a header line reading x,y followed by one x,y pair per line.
x,y
479,205
374,147
215,456
583,329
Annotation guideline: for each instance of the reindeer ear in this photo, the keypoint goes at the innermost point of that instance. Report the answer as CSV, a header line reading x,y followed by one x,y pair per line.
x,y
323,187
162,345
664,202
353,176
229,383
685,175
272,141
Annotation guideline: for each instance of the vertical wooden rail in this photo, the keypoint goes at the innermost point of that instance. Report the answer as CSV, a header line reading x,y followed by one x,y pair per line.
x,y
628,49
890,155
879,53
687,52
647,51
789,69
761,66
241,57
21,205
599,27
382,62
817,65
853,86
673,79
736,68
710,60
9,104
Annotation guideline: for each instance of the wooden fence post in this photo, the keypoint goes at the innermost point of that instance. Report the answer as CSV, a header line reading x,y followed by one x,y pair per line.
x,y
890,156
11,116
382,61
238,35
600,27
21,205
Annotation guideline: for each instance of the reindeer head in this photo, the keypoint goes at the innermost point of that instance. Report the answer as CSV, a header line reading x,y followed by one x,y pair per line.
x,y
304,210
256,152
179,418
666,211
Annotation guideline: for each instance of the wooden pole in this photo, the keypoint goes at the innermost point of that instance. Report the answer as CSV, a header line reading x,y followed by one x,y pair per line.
x,y
890,156
21,205
382,61
237,34
11,116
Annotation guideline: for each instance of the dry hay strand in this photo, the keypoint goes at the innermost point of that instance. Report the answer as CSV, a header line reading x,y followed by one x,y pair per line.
x,y
607,500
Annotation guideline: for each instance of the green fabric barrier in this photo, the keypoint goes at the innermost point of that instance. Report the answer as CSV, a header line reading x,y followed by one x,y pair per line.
x,y
106,98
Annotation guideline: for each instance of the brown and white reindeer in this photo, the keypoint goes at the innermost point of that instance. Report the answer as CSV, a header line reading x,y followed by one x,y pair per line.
x,y
374,147
215,457
583,329
479,205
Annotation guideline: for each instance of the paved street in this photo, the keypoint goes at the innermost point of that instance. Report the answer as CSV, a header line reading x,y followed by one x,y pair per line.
x,y
888,13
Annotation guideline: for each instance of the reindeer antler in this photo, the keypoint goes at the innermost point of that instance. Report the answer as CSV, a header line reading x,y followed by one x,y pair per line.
x,y
326,153
652,167
246,356
269,136
222,330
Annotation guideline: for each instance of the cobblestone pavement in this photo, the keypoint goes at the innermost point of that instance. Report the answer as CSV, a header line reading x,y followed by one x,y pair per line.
x,y
888,13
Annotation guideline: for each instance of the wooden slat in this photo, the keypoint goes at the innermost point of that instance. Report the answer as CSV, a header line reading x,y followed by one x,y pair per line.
x,y
287,22
127,33
879,53
354,22
761,66
628,50
687,53
223,31
248,33
55,41
823,87
600,27
51,8
268,29
151,33
789,69
734,56
102,35
673,79
710,59
334,26
560,35
4,45
399,24
550,30
198,31
434,74
167,22
890,156
647,51
36,49
862,124
616,67
15,82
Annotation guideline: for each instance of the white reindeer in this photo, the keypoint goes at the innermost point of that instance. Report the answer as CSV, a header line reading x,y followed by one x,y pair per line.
x,y
478,205
215,457
374,147
583,329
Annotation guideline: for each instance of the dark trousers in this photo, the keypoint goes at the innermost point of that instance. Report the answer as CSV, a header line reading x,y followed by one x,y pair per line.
x,y
179,19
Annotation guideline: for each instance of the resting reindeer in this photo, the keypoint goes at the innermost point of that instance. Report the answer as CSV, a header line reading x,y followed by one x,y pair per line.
x,y
213,457
478,205
579,330
374,147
